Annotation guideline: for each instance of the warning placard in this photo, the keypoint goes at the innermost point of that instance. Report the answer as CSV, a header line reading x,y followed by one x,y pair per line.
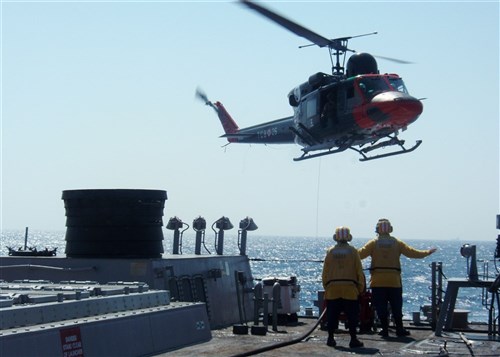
x,y
71,342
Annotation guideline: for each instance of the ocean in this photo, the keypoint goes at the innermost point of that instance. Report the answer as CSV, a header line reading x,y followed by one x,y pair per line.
x,y
274,256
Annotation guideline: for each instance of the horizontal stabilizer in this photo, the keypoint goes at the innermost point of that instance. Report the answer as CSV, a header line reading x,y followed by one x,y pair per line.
x,y
237,135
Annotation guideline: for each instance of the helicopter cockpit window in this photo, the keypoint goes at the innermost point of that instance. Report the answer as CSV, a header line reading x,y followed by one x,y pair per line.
x,y
370,86
398,84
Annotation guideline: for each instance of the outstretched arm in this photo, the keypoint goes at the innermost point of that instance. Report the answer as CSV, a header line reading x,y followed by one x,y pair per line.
x,y
411,252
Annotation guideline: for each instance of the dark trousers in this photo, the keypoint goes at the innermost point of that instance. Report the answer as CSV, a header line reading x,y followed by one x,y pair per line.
x,y
336,306
393,296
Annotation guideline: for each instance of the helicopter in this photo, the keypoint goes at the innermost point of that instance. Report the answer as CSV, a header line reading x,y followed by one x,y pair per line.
x,y
354,108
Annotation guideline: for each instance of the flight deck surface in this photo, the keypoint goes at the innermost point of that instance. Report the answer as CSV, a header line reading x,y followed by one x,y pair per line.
x,y
422,341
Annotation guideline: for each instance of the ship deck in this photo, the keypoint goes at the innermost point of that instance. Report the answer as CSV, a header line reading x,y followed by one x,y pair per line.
x,y
311,341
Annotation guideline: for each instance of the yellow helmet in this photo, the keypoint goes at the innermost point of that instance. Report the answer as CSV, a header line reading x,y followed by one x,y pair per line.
x,y
342,234
383,226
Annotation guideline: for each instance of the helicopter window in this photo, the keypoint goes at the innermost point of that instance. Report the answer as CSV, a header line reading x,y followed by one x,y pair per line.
x,y
398,84
311,108
370,86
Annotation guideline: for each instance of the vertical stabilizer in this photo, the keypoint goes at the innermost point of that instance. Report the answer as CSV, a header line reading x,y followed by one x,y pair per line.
x,y
228,123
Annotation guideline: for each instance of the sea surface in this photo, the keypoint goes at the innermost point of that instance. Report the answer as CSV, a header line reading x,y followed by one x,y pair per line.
x,y
274,256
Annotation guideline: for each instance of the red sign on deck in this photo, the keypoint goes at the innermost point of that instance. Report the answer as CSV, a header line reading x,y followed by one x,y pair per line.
x,y
71,342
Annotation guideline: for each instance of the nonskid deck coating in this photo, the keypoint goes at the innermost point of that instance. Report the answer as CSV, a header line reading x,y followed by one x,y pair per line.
x,y
422,342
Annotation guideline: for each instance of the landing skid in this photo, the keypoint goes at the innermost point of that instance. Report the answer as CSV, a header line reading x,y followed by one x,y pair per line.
x,y
392,141
306,154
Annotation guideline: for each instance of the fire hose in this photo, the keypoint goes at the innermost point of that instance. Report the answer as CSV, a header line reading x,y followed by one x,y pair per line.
x,y
284,343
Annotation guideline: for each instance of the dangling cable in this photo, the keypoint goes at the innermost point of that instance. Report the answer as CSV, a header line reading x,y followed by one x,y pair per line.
x,y
317,197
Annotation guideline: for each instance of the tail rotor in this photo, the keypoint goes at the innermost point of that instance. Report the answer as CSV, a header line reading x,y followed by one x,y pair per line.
x,y
201,95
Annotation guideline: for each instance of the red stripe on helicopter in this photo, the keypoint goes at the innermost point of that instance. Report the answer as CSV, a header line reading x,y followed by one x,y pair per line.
x,y
229,125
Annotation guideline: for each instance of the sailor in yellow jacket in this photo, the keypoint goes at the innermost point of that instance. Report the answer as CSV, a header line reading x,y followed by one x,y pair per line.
x,y
385,279
343,281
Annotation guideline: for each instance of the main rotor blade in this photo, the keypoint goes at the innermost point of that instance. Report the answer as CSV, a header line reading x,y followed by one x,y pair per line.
x,y
291,26
393,59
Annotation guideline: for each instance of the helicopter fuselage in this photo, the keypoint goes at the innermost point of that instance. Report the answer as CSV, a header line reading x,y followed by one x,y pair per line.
x,y
336,112
331,112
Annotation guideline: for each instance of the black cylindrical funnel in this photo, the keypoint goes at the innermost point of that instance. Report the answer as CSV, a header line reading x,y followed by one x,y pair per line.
x,y
114,223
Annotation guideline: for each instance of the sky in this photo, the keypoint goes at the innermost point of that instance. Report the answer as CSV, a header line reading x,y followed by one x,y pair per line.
x,y
100,95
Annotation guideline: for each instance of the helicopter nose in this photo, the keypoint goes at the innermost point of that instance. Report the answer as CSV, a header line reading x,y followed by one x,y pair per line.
x,y
400,108
408,106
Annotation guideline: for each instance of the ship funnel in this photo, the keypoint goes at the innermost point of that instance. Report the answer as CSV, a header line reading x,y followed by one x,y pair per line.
x,y
114,223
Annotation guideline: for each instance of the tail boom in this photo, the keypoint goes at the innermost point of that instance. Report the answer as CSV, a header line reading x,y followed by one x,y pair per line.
x,y
272,132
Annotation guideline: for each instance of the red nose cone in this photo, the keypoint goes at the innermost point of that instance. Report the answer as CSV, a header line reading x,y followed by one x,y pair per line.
x,y
410,107
398,108
406,111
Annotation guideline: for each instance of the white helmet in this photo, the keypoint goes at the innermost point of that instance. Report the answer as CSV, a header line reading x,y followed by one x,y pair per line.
x,y
342,234
383,226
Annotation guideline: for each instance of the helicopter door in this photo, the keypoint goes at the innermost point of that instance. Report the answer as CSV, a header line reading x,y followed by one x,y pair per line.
x,y
329,105
347,98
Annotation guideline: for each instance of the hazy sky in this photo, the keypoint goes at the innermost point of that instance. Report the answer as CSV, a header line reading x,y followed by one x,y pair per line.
x,y
101,95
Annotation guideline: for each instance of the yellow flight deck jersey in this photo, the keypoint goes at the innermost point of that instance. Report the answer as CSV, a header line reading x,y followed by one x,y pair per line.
x,y
385,266
342,273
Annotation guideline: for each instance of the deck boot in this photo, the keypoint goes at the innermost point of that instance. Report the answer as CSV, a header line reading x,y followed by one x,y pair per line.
x,y
384,322
331,340
355,343
400,330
